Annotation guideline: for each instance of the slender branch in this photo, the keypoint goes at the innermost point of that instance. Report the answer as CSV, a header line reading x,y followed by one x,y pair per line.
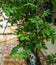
x,y
7,34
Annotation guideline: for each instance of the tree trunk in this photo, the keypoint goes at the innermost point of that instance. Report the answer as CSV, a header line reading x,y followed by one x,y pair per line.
x,y
37,61
37,58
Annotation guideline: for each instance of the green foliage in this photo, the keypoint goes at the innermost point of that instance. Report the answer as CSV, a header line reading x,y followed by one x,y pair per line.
x,y
14,50
1,20
46,13
33,30
22,54
51,59
54,3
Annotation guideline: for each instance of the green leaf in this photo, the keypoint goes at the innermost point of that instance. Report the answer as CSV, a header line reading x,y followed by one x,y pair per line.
x,y
22,38
46,13
33,20
46,31
7,13
54,3
44,46
51,58
38,47
53,39
14,51
1,20
12,0
37,20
